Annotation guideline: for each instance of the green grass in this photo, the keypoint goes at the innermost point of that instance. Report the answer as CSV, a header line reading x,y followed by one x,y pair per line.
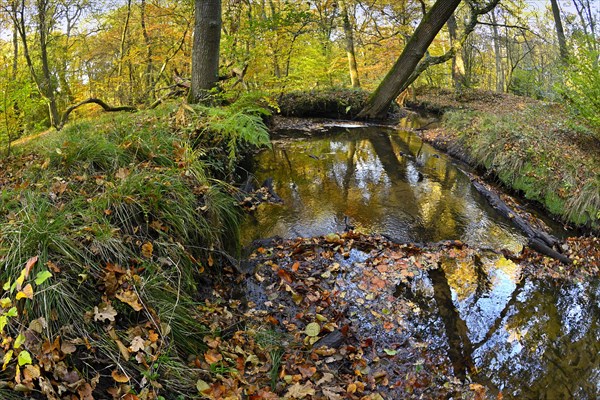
x,y
93,195
536,152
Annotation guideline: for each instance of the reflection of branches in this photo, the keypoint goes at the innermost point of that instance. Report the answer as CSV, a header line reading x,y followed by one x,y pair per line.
x,y
500,319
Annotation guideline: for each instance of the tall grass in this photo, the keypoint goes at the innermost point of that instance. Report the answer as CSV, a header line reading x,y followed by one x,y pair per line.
x,y
95,193
529,151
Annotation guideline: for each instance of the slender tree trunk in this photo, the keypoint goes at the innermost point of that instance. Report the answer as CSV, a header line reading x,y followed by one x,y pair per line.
x,y
122,51
560,33
393,83
15,42
349,42
458,65
498,54
205,52
148,81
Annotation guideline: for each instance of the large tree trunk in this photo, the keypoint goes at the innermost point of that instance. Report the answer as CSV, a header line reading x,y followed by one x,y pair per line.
x,y
205,52
458,65
349,42
560,33
415,49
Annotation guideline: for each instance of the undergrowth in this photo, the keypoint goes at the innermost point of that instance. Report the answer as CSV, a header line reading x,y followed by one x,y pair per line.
x,y
534,151
122,215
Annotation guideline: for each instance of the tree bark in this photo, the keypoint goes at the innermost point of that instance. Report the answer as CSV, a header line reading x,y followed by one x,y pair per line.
x,y
148,81
498,54
349,42
560,33
15,41
458,65
122,51
92,100
394,82
205,52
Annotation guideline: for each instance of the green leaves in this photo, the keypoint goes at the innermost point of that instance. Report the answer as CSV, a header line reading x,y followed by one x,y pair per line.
x,y
24,358
42,277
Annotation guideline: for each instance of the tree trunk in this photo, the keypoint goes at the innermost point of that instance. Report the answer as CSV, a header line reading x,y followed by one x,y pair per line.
x,y
148,81
205,52
560,33
394,82
46,84
15,41
122,51
498,54
458,65
349,42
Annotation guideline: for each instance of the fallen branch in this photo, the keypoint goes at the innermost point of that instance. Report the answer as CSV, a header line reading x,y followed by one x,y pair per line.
x,y
92,100
540,241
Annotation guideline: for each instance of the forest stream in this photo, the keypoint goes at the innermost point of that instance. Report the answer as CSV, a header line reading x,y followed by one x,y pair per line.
x,y
480,317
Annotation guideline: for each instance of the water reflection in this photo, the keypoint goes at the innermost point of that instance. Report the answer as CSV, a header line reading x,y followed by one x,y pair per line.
x,y
386,181
523,337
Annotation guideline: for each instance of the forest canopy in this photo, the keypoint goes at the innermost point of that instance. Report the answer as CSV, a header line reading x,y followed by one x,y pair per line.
x,y
56,53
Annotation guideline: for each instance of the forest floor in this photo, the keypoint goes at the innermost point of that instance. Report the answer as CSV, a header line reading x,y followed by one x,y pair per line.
x,y
533,147
107,294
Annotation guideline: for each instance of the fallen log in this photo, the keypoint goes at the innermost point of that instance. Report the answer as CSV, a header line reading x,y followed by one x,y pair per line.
x,y
540,241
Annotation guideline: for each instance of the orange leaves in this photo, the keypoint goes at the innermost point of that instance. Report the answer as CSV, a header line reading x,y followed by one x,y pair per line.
x,y
119,377
212,356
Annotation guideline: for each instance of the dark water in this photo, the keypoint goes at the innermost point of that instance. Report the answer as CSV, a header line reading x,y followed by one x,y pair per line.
x,y
526,338
516,335
378,180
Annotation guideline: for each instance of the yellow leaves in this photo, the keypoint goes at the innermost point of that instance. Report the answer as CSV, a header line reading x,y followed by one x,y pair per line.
x,y
19,341
312,329
26,293
131,298
7,357
24,358
147,249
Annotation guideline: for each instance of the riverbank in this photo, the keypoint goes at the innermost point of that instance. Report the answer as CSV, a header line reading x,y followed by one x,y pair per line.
x,y
532,147
111,232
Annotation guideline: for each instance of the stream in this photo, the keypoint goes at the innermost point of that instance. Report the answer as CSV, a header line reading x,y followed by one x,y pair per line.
x,y
517,335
